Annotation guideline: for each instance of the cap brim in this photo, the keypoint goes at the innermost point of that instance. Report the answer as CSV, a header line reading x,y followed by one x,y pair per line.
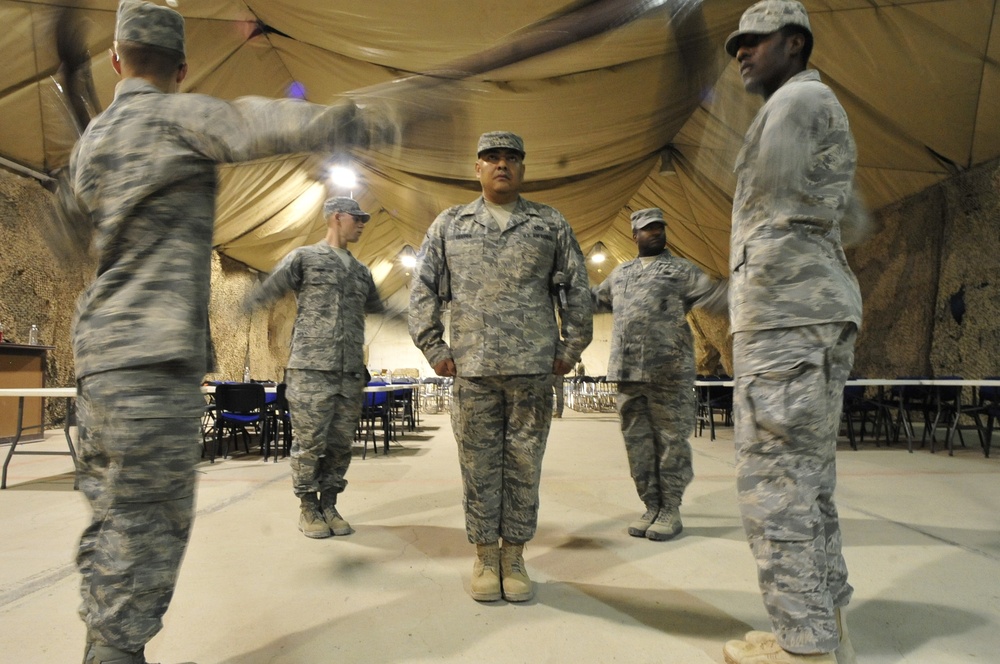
x,y
501,147
732,42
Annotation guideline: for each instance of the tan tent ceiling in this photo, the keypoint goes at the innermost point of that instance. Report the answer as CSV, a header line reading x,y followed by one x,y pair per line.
x,y
647,112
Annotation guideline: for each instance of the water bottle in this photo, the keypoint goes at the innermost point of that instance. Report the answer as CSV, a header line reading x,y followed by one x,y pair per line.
x,y
246,373
33,335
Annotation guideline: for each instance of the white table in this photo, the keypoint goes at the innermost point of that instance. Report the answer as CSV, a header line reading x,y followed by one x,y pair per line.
x,y
68,393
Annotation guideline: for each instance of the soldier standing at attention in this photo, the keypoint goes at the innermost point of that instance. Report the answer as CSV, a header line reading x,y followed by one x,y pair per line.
x,y
326,370
796,308
652,360
142,178
496,261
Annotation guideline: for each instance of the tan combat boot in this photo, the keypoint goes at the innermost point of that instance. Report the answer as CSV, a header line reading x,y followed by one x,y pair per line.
x,y
666,526
767,642
517,586
763,648
639,527
102,654
338,524
311,520
486,573
845,649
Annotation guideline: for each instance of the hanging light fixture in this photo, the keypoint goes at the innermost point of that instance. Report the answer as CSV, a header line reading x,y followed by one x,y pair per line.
x,y
343,178
668,159
407,257
599,253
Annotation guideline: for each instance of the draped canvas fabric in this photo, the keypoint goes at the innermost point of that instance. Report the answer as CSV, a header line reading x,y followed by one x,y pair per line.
x,y
645,110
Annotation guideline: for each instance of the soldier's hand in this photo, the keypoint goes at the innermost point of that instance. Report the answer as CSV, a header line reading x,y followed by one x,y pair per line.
x,y
561,367
445,368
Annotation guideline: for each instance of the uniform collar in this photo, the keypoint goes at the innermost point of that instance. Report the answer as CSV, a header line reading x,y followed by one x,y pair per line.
x,y
134,85
477,209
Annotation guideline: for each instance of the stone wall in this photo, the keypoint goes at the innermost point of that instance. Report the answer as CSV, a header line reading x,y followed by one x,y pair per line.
x,y
33,288
930,278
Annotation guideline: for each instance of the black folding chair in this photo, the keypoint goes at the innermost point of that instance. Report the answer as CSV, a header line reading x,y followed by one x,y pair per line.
x,y
238,406
280,421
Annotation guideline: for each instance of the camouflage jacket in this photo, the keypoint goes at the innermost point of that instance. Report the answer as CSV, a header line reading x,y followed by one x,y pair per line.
x,y
650,337
795,178
333,298
143,174
499,286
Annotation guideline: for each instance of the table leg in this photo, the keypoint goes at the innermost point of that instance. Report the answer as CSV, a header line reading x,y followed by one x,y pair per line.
x,y
13,445
70,410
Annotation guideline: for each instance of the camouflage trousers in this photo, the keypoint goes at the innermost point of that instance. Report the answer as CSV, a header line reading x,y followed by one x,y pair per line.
x,y
559,389
139,435
657,420
325,406
501,424
787,404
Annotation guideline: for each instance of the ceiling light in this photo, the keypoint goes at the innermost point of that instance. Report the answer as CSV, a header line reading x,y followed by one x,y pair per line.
x,y
343,177
407,257
668,159
599,253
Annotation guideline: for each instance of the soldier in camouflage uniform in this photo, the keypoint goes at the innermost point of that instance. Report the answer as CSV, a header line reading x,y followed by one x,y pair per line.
x,y
652,360
796,308
326,370
143,178
495,261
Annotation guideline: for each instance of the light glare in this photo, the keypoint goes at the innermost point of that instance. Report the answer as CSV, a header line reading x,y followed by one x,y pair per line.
x,y
343,177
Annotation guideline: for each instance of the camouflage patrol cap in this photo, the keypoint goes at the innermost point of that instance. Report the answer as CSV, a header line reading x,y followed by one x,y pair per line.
x,y
768,16
643,218
344,204
145,23
497,140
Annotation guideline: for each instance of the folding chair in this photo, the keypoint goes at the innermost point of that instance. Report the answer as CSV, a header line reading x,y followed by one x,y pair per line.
x,y
237,406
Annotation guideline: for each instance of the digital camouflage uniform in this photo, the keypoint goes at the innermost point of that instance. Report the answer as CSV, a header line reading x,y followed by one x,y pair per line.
x,y
652,360
143,177
795,308
504,337
326,367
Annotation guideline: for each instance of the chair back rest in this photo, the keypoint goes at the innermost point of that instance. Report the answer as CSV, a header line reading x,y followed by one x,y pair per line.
x,y
854,393
280,400
375,399
949,392
243,398
989,394
910,394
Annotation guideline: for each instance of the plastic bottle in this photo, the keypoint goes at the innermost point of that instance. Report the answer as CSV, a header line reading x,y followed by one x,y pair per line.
x,y
33,336
246,373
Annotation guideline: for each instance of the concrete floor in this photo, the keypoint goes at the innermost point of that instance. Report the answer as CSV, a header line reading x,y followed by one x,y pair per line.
x,y
922,535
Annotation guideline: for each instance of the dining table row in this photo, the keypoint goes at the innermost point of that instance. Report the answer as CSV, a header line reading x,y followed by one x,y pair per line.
x,y
258,412
888,408
244,411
